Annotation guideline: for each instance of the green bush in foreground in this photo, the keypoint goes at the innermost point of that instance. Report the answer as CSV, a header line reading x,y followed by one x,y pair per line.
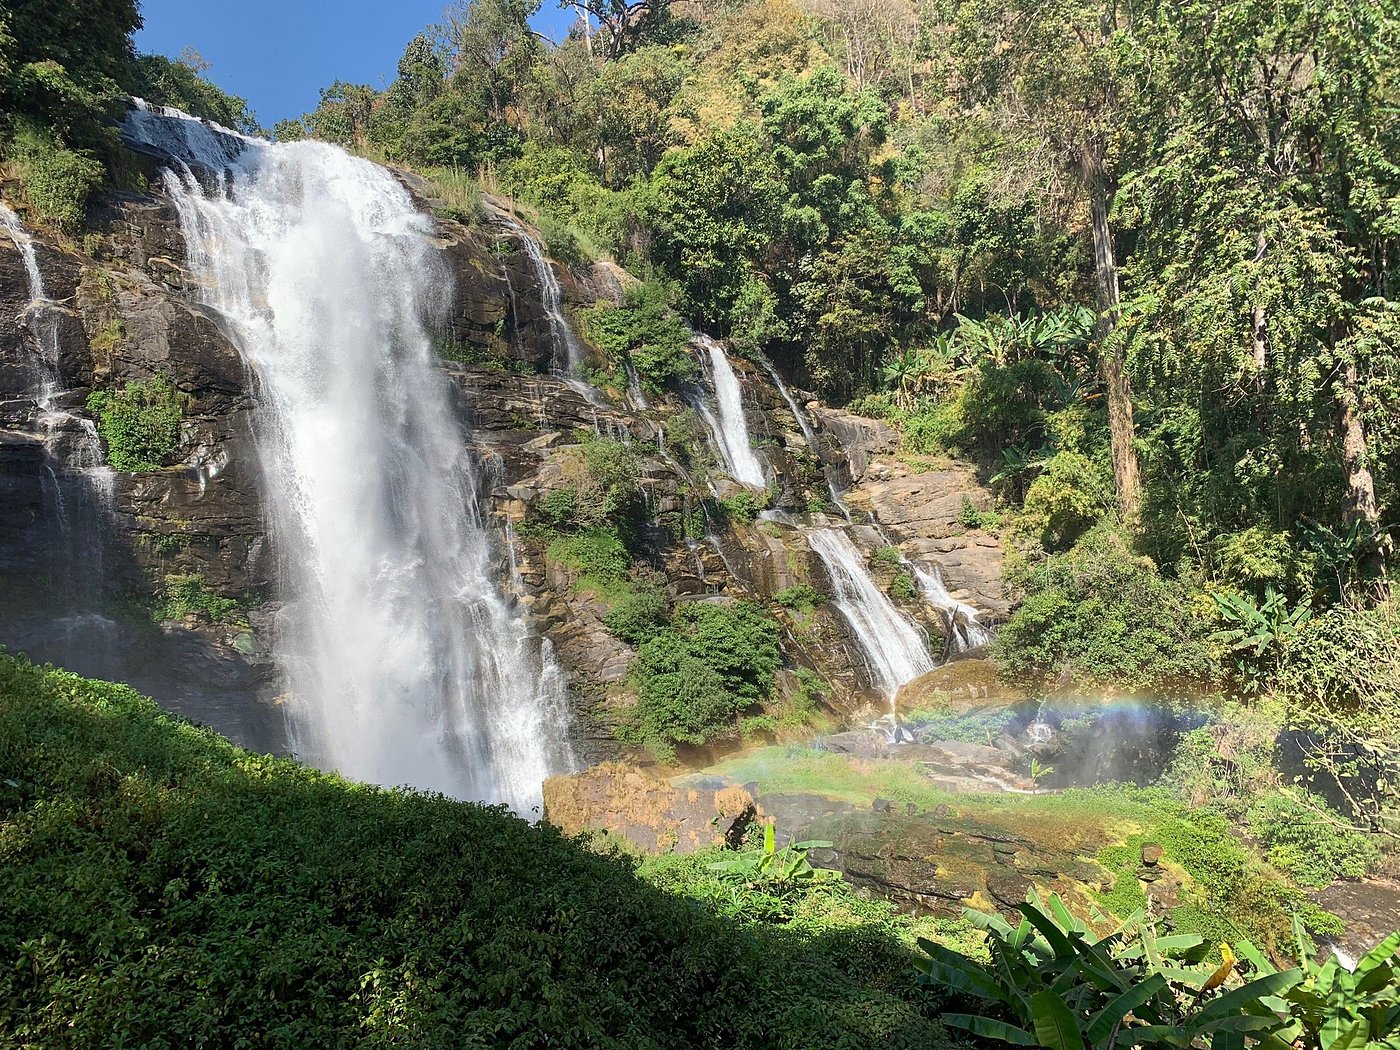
x,y
161,888
140,423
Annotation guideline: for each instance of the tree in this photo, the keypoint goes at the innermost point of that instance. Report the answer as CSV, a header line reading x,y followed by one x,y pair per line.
x,y
1051,74
1268,210
493,50
621,23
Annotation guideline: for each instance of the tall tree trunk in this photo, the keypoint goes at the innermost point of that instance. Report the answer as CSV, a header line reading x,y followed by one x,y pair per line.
x,y
1361,484
1126,479
1361,503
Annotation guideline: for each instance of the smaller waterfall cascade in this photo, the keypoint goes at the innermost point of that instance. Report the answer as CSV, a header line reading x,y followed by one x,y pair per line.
x,y
405,661
967,631
808,434
79,484
567,360
894,648
729,429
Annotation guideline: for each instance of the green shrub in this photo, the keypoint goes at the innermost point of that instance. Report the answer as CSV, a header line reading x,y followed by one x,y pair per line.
x,y
903,588
57,181
1102,615
557,507
936,431
259,902
1309,841
802,597
743,506
695,677
638,617
186,595
1338,679
1068,497
140,423
608,491
888,556
647,331
597,555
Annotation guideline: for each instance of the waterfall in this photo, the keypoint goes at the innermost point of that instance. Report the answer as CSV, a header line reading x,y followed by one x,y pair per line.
x,y
809,435
404,662
77,484
730,430
965,630
894,649
567,358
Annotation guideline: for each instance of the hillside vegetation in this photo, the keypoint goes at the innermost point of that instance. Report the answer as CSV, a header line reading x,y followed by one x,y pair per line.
x,y
160,887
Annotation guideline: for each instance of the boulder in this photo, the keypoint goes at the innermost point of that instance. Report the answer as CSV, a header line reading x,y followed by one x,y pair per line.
x,y
653,814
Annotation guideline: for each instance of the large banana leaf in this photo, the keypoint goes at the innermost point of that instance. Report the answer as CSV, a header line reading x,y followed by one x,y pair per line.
x,y
987,1028
1055,1026
1118,1009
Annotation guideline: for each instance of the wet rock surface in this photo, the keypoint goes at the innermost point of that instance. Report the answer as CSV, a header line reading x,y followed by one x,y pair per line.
x,y
934,862
126,309
922,511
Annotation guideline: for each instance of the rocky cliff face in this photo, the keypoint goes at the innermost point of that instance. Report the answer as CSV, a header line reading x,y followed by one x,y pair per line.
x,y
124,311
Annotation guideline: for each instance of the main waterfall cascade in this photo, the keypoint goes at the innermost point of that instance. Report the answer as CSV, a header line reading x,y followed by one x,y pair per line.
x,y
404,662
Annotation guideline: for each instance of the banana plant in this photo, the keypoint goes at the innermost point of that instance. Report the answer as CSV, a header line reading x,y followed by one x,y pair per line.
x,y
1256,628
1053,983
1335,1007
769,865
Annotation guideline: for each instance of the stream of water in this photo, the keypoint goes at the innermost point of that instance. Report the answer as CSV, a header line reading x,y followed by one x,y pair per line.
x,y
893,648
77,485
404,661
727,424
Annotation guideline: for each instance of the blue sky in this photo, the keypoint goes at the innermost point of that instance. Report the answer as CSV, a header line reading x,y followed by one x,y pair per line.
x,y
278,54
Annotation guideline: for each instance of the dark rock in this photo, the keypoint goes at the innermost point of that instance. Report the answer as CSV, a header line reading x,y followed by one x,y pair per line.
x,y
1152,854
881,805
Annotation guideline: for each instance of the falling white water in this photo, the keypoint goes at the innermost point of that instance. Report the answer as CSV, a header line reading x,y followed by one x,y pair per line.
x,y
809,435
967,631
567,358
730,430
894,649
78,484
404,662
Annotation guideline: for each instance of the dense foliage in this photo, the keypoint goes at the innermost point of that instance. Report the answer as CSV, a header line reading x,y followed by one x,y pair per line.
x,y
160,887
66,70
1099,614
695,677
1053,982
139,422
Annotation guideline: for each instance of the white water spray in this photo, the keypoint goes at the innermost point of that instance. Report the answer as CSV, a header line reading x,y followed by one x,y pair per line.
x,y
730,429
967,632
894,649
78,484
404,662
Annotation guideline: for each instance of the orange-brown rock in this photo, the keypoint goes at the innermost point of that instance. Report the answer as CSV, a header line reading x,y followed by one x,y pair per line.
x,y
651,813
